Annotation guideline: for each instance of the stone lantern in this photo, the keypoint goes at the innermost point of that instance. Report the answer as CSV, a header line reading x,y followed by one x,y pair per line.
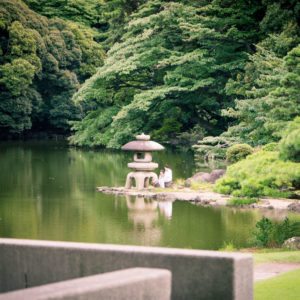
x,y
142,166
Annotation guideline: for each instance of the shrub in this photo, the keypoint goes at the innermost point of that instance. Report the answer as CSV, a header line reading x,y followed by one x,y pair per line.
x,y
236,201
228,247
273,234
238,152
227,185
270,147
261,174
212,147
250,188
290,144
263,233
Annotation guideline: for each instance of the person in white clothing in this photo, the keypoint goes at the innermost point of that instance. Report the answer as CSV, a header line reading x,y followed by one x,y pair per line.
x,y
168,176
161,179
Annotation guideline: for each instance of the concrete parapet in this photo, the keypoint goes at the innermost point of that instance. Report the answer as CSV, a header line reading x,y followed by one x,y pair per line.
x,y
133,284
196,274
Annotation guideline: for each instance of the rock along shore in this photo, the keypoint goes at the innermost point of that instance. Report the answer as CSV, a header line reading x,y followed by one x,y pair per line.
x,y
200,197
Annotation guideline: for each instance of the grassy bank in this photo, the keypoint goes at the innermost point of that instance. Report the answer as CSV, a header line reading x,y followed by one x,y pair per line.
x,y
276,256
285,286
268,255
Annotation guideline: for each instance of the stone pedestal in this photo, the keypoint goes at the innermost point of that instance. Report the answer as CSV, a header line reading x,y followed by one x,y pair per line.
x,y
142,179
142,164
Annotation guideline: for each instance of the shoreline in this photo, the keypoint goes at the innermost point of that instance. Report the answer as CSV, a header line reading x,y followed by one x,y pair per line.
x,y
207,198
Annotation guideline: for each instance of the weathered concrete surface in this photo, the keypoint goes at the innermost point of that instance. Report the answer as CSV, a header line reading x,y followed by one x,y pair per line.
x,y
199,197
269,270
195,274
133,284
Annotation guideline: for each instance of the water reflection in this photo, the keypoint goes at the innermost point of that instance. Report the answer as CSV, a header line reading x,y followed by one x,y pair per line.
x,y
47,191
146,210
145,213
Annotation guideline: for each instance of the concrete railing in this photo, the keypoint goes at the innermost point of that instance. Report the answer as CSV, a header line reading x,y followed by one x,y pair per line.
x,y
133,284
195,274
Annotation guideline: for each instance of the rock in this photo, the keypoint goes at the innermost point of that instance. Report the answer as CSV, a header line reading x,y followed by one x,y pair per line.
x,y
292,243
196,177
216,174
294,207
205,177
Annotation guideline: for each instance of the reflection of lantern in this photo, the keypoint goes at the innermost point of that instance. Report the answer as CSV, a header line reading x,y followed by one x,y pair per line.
x,y
143,166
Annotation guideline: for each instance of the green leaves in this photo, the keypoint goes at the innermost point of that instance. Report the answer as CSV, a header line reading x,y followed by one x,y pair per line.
x,y
41,64
290,144
17,76
270,96
172,56
261,174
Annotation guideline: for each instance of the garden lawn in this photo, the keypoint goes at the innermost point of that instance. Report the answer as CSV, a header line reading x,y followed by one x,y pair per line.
x,y
277,257
285,286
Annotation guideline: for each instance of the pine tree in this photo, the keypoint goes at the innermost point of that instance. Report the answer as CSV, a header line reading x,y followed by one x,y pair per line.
x,y
168,72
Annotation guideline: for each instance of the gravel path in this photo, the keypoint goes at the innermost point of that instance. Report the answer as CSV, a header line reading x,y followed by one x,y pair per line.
x,y
269,270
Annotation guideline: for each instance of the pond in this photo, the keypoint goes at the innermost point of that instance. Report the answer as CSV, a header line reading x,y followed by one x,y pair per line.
x,y
48,192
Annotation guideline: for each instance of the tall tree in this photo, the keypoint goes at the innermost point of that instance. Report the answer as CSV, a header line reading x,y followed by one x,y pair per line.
x,y
168,72
42,62
268,92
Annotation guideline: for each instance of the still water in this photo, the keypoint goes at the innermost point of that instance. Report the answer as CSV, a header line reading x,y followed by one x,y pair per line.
x,y
48,192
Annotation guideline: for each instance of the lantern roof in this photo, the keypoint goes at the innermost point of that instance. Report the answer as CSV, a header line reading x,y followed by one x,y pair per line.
x,y
142,143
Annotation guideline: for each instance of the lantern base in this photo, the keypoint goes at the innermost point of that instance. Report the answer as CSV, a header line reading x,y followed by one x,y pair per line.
x,y
142,179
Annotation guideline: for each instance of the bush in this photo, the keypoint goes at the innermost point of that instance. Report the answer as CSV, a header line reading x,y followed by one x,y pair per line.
x,y
263,233
271,234
270,147
290,144
212,147
236,201
238,152
227,185
261,174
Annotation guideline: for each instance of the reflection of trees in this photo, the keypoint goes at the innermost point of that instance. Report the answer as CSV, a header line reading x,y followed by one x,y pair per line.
x,y
238,225
193,227
47,191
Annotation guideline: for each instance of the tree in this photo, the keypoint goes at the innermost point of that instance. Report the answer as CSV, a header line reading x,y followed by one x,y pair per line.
x,y
42,62
172,64
271,87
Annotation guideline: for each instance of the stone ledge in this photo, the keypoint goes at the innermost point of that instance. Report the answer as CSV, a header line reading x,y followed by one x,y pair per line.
x,y
196,274
134,284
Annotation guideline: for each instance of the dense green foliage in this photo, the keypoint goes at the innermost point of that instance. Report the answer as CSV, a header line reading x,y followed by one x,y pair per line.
x,y
107,17
42,62
273,234
266,92
237,201
168,73
212,147
272,96
290,143
261,174
238,152
181,71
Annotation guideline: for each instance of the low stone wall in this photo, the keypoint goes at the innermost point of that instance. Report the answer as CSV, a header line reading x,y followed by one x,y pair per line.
x,y
133,284
195,274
